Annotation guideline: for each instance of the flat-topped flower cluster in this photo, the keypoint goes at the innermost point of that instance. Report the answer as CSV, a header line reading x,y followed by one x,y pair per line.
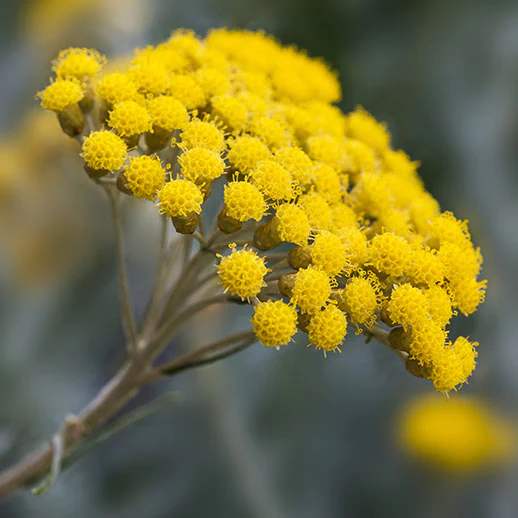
x,y
361,243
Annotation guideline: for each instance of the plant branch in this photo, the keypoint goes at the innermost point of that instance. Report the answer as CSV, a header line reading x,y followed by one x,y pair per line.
x,y
160,279
121,424
128,317
164,334
208,354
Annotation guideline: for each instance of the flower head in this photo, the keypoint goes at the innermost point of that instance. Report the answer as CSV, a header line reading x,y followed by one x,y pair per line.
x,y
242,273
246,152
328,253
60,94
198,133
244,201
201,165
274,323
180,198
117,87
168,113
129,118
78,62
104,151
273,180
292,224
327,328
145,176
311,289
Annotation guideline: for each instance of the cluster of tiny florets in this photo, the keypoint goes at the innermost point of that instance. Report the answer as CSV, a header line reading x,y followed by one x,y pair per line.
x,y
61,94
104,151
359,241
242,273
145,176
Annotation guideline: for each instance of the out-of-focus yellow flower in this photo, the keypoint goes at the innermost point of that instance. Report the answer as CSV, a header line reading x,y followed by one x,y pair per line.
x,y
459,434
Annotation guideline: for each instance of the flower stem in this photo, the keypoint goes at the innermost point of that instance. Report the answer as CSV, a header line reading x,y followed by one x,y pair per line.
x,y
160,279
128,317
208,354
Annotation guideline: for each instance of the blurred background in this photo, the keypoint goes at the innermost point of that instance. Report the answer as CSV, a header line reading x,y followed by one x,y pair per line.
x,y
265,434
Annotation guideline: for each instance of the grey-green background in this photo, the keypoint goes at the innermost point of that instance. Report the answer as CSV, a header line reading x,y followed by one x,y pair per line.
x,y
285,434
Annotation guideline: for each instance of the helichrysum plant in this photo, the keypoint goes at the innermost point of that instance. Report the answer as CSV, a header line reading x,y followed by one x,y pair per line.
x,y
323,228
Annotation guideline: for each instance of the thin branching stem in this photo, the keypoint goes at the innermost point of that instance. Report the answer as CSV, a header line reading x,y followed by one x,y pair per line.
x,y
128,317
205,355
122,423
160,278
164,333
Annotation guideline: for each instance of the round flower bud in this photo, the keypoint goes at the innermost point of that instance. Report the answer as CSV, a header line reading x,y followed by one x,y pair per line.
x,y
244,201
117,87
355,245
203,134
467,353
292,224
408,306
245,152
447,370
297,163
328,253
343,217
60,94
151,77
468,294
389,254
364,127
327,328
129,118
439,305
299,257
311,289
201,165
167,113
328,183
273,133
242,273
425,267
446,228
328,150
78,63
188,91
274,323
317,210
180,198
212,81
231,111
144,176
460,435
427,342
104,151
273,180
361,301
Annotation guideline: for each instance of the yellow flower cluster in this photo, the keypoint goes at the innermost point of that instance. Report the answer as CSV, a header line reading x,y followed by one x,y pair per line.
x,y
459,435
364,243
